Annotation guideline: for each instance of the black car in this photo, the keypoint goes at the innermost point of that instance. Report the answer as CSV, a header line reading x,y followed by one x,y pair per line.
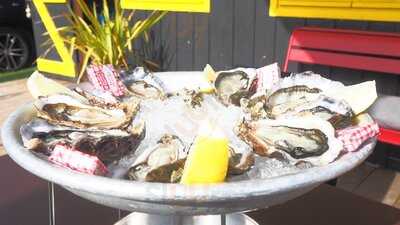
x,y
17,48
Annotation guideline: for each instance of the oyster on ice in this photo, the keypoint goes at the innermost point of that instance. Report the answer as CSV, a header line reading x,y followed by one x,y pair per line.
x,y
143,84
145,90
65,110
231,86
309,139
309,79
304,95
108,145
256,107
163,162
285,99
97,97
296,90
337,112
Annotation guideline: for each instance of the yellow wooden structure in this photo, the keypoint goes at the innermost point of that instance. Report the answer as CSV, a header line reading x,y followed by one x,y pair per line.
x,y
66,66
378,10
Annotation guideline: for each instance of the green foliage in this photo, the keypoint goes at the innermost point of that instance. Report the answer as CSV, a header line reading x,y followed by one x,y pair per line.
x,y
105,38
15,75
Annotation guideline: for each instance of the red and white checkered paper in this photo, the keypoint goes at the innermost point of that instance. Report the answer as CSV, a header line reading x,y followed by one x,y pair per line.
x,y
66,157
354,137
106,78
267,77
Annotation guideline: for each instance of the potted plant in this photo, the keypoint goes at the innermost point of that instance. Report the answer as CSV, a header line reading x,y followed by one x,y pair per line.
x,y
106,37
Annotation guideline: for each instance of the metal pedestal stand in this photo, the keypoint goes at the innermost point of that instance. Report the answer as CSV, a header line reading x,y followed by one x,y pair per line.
x,y
148,219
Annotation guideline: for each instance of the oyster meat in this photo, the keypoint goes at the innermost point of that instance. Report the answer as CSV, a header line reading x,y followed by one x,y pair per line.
x,y
337,112
143,84
301,95
309,79
163,162
285,99
309,139
256,107
231,86
145,90
96,96
296,90
65,110
108,145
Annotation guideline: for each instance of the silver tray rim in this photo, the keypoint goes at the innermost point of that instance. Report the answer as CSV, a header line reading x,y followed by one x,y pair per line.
x,y
161,192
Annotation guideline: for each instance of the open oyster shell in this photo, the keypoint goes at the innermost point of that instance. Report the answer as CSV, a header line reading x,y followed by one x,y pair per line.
x,y
285,99
337,112
97,97
233,85
163,162
145,90
309,79
108,145
303,95
143,84
65,110
256,107
298,89
309,139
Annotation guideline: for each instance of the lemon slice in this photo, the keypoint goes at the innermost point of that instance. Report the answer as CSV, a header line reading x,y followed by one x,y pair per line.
x,y
208,159
39,85
210,76
360,96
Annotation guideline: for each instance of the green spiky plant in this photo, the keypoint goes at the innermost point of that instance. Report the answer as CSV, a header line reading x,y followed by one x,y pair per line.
x,y
107,40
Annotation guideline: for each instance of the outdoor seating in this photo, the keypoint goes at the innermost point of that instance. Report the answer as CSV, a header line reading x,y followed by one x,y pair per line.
x,y
352,49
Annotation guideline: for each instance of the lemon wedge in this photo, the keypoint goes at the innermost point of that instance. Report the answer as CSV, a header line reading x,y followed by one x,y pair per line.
x,y
38,85
208,159
360,96
210,75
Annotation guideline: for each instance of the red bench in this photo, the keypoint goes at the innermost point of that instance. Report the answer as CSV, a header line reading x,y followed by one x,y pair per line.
x,y
362,50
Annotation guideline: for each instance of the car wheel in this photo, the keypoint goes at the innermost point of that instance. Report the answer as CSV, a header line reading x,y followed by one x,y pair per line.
x,y
15,49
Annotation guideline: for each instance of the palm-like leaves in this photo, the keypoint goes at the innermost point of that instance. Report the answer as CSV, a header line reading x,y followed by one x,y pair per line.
x,y
105,41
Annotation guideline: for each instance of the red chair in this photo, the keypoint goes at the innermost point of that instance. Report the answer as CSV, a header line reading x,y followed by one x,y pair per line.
x,y
371,51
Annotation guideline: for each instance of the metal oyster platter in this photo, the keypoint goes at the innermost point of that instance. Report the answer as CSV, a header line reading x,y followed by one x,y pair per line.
x,y
173,199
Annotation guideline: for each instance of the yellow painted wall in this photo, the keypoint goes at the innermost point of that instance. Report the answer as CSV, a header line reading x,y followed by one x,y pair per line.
x,y
378,10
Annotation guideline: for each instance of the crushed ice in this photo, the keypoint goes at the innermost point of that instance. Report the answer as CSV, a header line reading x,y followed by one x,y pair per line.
x,y
174,116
